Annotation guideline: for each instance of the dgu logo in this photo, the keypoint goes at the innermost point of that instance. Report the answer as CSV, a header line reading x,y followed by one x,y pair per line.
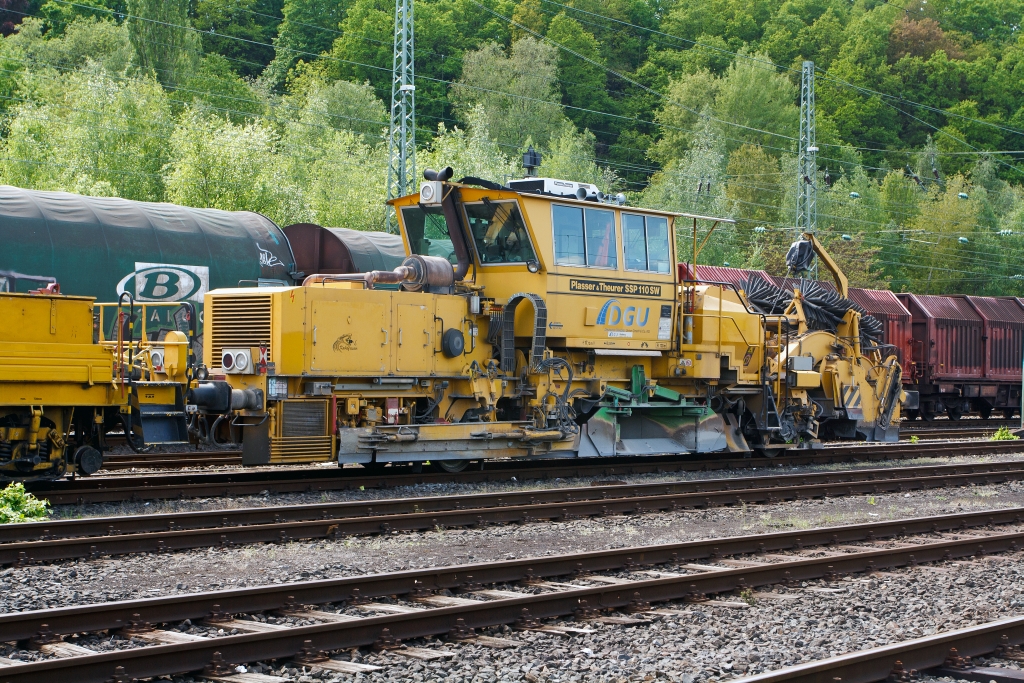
x,y
612,314
166,282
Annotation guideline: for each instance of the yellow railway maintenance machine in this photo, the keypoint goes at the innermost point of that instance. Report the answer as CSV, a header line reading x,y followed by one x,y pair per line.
x,y
535,320
62,389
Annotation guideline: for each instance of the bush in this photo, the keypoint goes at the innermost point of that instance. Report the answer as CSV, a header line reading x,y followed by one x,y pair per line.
x,y
1003,434
18,506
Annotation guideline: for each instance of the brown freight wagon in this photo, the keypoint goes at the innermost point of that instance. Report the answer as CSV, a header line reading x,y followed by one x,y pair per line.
x,y
965,354
895,318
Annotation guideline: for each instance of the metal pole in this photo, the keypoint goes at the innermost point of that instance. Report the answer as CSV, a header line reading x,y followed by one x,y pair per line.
x,y
807,166
402,137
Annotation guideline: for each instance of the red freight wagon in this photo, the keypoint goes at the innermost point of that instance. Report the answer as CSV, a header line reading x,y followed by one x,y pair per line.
x,y
1003,335
948,353
895,318
734,276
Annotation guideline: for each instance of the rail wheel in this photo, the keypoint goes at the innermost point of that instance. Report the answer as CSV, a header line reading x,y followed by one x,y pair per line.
x,y
954,413
985,412
768,452
913,414
450,466
1008,413
928,416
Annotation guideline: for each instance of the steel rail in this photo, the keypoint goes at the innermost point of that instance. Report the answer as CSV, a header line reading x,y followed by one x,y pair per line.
x,y
876,664
117,488
86,618
170,460
178,521
341,526
182,459
168,659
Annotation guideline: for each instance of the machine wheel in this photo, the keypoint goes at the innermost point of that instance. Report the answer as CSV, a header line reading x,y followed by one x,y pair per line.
x,y
768,452
450,466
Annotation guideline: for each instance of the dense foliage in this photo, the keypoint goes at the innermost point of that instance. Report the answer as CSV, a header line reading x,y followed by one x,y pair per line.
x,y
279,106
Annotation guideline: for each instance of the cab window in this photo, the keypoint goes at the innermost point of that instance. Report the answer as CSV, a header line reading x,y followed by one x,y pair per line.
x,y
428,232
645,243
584,237
499,233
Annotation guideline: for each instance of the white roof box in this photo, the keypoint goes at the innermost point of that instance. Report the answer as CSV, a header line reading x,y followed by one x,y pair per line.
x,y
556,187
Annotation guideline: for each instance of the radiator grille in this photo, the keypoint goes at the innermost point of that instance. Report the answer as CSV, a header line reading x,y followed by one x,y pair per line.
x,y
300,449
304,418
239,322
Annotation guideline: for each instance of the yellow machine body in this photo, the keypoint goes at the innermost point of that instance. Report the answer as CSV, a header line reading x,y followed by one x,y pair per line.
x,y
61,387
49,367
563,329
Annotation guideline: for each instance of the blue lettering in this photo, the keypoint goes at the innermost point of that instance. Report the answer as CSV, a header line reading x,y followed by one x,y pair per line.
x,y
616,316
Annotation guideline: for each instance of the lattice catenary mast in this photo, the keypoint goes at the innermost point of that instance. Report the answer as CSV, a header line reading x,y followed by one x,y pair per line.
x,y
402,139
807,168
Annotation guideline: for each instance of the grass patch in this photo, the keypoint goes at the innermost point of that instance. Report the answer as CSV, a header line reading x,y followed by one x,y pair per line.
x,y
1004,434
16,505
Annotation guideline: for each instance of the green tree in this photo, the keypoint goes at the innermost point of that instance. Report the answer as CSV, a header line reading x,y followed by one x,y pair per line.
x,y
471,151
95,134
307,28
571,155
516,92
348,182
57,15
83,40
165,43
757,97
216,86
754,184
218,164
686,96
584,84
339,105
240,30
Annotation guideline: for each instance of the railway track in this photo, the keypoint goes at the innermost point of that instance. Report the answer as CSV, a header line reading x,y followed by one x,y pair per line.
x,y
93,537
177,460
121,487
380,610
945,654
972,429
174,460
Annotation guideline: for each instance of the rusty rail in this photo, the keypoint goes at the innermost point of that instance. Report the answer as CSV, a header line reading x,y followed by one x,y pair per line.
x,y
115,488
67,539
582,602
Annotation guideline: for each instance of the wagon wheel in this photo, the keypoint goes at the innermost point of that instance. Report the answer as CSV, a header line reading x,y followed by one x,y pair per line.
x,y
985,412
450,466
928,416
954,413
1008,413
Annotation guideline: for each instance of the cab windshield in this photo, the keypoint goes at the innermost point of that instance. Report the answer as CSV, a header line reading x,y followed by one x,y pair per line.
x,y
428,232
499,233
